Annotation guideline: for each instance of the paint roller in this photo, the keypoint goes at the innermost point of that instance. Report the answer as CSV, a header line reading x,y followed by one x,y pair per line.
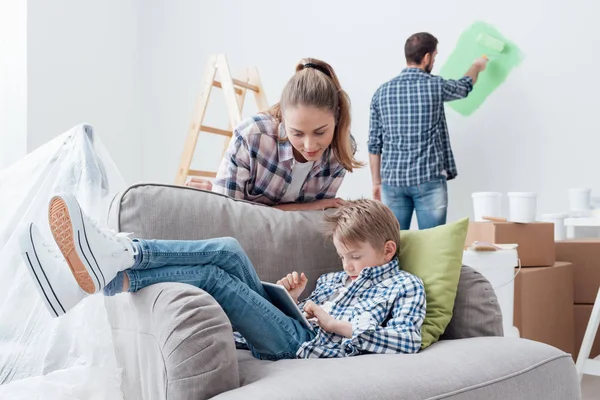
x,y
494,45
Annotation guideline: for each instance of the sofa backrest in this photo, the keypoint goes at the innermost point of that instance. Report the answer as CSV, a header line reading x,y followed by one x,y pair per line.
x,y
277,242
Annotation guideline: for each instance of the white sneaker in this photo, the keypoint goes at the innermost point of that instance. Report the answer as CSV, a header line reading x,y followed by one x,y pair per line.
x,y
48,269
94,254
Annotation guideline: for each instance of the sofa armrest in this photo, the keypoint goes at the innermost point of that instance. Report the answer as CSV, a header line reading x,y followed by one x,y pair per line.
x,y
173,341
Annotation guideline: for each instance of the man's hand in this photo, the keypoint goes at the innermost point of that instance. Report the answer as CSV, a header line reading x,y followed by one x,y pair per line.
x,y
480,63
200,183
377,191
294,283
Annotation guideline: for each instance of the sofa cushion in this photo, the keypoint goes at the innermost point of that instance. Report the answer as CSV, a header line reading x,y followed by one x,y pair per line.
x,y
435,256
494,368
476,310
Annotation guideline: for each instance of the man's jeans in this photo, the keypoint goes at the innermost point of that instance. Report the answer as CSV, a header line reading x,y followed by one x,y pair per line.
x,y
221,268
429,199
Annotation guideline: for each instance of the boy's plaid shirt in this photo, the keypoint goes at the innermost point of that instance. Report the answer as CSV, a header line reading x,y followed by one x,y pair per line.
x,y
385,305
258,166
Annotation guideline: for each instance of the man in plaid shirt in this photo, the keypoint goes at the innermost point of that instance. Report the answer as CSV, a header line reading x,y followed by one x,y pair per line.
x,y
409,147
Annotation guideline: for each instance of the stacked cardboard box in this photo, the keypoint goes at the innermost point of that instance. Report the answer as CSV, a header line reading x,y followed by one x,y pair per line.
x,y
585,256
543,287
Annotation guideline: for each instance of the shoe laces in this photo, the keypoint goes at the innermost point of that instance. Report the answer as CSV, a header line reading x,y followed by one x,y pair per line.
x,y
123,238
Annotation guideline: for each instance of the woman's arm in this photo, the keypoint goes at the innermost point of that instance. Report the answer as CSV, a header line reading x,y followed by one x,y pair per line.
x,y
317,205
234,171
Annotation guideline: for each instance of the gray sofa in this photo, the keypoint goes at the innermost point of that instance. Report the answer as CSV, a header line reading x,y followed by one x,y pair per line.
x,y
174,342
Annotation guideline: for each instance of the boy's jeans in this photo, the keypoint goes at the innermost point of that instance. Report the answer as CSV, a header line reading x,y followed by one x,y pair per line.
x,y
429,199
221,268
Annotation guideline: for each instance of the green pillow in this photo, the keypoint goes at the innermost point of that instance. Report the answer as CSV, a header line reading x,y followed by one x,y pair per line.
x,y
435,256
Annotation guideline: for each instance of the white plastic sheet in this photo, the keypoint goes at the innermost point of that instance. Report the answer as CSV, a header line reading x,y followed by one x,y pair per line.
x,y
71,357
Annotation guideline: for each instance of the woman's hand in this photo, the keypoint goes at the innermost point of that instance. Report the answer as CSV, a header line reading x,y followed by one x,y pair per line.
x,y
294,283
317,205
200,183
331,203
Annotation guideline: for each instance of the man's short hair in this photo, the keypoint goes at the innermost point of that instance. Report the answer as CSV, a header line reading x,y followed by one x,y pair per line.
x,y
418,45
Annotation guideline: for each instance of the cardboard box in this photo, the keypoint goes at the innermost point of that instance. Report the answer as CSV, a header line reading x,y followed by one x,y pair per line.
x,y
544,305
535,240
585,256
582,314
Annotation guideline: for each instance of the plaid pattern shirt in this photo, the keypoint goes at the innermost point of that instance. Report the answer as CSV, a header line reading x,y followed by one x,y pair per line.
x,y
408,127
258,166
385,305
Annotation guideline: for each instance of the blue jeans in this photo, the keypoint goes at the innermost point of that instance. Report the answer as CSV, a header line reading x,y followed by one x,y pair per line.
x,y
221,268
429,199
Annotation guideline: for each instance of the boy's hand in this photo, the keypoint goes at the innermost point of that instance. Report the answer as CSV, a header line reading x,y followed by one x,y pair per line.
x,y
325,321
294,284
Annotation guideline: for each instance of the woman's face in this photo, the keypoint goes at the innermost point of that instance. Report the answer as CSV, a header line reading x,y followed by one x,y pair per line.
x,y
310,131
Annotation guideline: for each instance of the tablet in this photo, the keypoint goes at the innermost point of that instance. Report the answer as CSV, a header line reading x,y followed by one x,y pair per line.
x,y
283,300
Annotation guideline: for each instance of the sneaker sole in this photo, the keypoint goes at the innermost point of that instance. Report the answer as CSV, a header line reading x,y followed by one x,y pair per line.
x,y
67,227
30,256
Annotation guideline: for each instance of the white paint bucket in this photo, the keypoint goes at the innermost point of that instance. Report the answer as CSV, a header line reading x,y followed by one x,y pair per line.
x,y
522,206
560,230
580,201
498,267
487,204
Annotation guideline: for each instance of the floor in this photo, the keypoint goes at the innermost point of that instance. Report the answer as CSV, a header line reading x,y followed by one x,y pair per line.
x,y
590,387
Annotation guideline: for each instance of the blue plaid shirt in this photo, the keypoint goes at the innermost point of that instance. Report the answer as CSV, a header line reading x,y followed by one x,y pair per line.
x,y
385,305
408,127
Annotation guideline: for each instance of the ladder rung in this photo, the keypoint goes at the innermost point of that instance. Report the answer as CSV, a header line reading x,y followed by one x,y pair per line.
x,y
248,86
218,131
206,174
239,83
218,84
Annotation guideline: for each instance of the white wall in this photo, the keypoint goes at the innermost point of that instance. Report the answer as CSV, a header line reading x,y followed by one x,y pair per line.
x,y
13,81
536,132
83,66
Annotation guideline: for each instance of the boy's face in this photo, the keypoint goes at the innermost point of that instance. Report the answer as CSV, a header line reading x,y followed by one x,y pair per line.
x,y
358,256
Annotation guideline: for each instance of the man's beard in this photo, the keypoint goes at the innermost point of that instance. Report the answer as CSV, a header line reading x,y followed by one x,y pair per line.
x,y
429,67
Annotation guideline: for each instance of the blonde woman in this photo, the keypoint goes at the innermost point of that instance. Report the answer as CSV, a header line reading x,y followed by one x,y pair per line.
x,y
295,155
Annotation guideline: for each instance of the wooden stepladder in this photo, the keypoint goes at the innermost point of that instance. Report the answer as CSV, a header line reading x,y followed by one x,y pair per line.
x,y
235,93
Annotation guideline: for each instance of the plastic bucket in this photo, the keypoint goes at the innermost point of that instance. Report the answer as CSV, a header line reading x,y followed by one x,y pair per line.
x,y
580,200
522,206
487,204
498,267
560,230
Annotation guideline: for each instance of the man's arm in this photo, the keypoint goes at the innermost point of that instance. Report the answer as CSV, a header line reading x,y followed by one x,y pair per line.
x,y
375,147
375,165
477,66
455,89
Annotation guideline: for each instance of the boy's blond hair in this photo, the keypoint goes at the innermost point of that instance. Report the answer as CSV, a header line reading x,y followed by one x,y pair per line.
x,y
363,220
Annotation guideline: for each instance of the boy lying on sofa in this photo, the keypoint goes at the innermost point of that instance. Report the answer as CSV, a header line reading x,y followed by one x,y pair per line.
x,y
372,306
